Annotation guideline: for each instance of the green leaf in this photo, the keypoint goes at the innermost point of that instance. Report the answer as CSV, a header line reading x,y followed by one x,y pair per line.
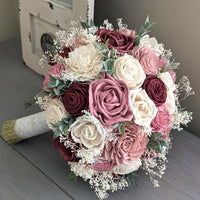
x,y
29,102
121,129
56,133
144,29
50,47
85,25
71,176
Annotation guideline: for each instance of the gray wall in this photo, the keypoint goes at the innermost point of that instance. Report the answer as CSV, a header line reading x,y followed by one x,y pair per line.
x,y
178,27
9,19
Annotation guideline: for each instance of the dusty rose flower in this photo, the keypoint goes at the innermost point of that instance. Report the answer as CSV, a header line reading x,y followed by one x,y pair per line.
x,y
147,58
126,148
156,90
55,71
75,99
161,121
166,133
109,100
127,32
117,40
101,164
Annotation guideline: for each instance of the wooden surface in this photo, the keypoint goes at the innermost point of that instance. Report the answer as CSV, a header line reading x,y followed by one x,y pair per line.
x,y
33,169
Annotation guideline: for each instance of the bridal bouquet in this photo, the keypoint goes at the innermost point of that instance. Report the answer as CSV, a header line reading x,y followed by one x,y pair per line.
x,y
111,100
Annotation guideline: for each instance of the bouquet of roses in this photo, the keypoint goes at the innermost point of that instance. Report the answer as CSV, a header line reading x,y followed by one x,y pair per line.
x,y
111,100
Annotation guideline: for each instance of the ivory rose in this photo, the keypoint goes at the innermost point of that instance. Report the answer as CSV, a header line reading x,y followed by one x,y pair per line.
x,y
147,58
85,62
143,108
127,169
109,100
128,69
152,43
55,112
168,80
89,132
126,147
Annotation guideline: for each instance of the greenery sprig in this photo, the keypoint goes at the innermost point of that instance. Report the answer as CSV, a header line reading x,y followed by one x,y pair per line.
x,y
130,178
143,31
156,143
62,126
57,87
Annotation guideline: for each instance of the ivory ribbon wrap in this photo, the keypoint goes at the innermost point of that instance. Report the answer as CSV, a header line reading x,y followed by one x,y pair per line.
x,y
16,130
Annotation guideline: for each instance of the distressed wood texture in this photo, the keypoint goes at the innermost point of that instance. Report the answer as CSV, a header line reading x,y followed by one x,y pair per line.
x,y
34,167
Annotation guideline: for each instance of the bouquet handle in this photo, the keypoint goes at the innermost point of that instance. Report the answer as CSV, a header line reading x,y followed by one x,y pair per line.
x,y
14,131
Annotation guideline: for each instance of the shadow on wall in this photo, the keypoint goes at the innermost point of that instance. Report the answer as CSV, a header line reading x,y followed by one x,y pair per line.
x,y
178,27
9,19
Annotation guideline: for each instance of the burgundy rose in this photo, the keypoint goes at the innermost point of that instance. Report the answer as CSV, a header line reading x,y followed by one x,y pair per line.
x,y
66,153
64,52
109,100
156,90
117,40
75,99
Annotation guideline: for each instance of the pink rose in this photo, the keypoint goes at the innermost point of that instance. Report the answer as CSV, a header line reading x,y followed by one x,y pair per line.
x,y
126,148
117,40
77,42
101,164
173,75
166,133
147,58
162,62
127,32
109,100
161,121
55,71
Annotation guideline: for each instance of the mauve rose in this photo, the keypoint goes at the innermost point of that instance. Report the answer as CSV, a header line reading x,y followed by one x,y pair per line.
x,y
117,40
109,100
66,153
55,71
147,58
161,121
101,164
75,99
156,90
128,147
127,32
166,133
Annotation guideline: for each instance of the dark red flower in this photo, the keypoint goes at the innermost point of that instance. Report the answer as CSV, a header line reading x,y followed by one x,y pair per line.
x,y
64,52
76,100
66,153
122,42
156,90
